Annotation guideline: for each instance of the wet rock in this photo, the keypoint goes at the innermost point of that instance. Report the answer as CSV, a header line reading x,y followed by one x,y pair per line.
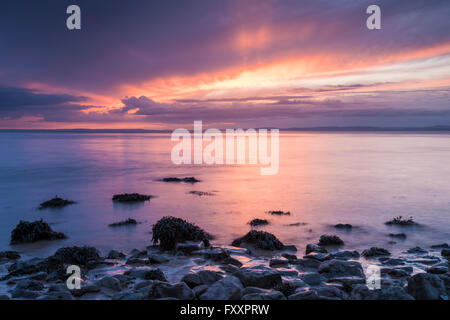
x,y
28,284
417,250
341,268
131,197
270,295
24,294
138,262
308,264
397,235
261,277
188,248
110,283
157,258
313,278
170,230
186,180
445,252
59,295
274,263
228,288
290,248
26,232
199,290
90,288
440,246
147,274
361,292
331,292
400,221
127,295
56,202
261,240
128,222
440,268
346,255
57,287
330,240
427,260
304,294
9,255
81,256
258,222
425,286
279,213
116,255
222,256
166,290
391,261
318,256
347,283
375,252
290,257
4,297
312,247
345,226
192,280
209,277
289,286
20,268
395,272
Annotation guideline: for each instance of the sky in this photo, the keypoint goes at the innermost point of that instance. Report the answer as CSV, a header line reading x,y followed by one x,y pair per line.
x,y
231,63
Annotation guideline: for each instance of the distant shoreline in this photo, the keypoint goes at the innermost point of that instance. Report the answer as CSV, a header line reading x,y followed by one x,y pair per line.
x,y
439,129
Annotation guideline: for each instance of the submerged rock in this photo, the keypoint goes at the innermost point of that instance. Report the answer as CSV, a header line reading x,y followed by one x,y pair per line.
x,y
375,252
186,180
56,202
330,240
201,193
128,222
417,250
425,286
261,240
131,197
26,232
400,221
279,213
397,235
440,246
258,222
170,230
345,226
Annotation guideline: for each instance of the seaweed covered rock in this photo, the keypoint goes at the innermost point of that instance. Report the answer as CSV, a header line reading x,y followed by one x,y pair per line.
x,y
400,221
327,240
81,256
128,222
170,230
258,222
186,180
279,213
26,232
261,240
56,202
130,197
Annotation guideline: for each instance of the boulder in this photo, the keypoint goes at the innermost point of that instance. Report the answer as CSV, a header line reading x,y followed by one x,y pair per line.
x,y
312,247
274,263
425,286
417,250
260,239
272,295
258,222
330,240
28,284
170,230
128,222
375,252
228,288
90,288
341,268
147,274
167,290
361,292
56,202
116,255
261,277
440,268
346,255
26,232
110,283
9,255
313,278
345,226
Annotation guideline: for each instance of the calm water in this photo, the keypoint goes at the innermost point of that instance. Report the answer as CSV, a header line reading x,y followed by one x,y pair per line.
x,y
324,178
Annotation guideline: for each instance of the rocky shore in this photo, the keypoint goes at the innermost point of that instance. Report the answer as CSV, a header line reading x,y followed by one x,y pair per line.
x,y
179,269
